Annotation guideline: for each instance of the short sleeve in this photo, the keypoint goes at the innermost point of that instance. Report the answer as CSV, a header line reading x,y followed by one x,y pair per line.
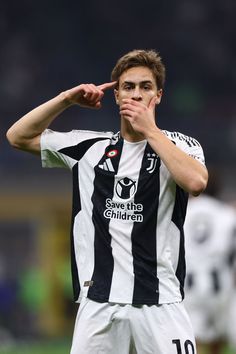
x,y
54,144
51,144
188,144
195,150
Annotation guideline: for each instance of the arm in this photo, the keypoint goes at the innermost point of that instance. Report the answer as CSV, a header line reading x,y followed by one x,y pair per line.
x,y
26,132
187,172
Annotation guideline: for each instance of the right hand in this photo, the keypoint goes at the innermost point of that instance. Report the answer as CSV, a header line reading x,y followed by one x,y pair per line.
x,y
88,95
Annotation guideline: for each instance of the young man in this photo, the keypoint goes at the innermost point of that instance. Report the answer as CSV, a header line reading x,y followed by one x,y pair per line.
x,y
130,196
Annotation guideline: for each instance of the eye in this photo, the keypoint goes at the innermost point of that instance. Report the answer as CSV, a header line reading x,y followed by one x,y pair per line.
x,y
147,87
127,87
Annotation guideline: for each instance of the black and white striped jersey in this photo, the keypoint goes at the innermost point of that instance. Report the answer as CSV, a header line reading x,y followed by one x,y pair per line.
x,y
127,238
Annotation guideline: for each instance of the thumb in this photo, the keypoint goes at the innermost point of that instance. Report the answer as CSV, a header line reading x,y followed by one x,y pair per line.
x,y
152,102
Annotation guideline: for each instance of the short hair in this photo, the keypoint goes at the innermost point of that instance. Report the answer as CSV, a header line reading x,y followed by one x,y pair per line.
x,y
140,57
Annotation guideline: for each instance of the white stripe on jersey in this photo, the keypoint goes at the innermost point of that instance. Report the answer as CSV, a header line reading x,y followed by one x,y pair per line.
x,y
167,242
121,231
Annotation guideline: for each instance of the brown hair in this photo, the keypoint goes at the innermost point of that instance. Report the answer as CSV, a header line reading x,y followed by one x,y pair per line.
x,y
139,57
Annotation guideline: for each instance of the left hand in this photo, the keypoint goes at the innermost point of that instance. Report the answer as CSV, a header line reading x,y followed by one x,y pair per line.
x,y
140,116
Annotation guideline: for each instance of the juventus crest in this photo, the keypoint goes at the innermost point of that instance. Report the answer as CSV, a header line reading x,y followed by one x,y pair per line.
x,y
152,158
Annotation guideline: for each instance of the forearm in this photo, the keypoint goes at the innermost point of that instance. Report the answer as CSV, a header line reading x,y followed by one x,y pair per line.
x,y
25,133
28,128
187,172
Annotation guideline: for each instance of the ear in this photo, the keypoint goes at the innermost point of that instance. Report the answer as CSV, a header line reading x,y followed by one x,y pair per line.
x,y
116,94
159,96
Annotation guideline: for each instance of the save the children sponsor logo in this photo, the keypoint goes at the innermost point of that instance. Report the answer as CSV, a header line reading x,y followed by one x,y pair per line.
x,y
125,188
122,207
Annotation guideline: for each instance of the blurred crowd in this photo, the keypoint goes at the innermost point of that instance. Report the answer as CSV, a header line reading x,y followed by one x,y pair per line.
x,y
47,48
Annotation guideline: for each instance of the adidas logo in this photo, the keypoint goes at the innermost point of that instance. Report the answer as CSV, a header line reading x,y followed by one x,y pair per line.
x,y
107,166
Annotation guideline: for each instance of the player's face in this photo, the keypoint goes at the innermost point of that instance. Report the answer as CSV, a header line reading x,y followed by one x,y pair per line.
x,y
139,84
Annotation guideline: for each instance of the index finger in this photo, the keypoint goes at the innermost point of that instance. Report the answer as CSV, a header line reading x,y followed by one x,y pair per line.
x,y
107,85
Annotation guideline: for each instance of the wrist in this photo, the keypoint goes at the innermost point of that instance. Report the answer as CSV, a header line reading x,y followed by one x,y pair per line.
x,y
153,133
64,99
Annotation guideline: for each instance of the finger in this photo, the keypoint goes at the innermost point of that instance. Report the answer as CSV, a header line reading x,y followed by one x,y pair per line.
x,y
126,112
129,107
107,85
133,103
98,105
94,105
128,118
92,90
93,94
96,102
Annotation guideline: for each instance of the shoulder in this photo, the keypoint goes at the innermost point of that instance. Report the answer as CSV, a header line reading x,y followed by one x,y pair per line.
x,y
93,133
188,144
76,132
56,141
180,138
73,137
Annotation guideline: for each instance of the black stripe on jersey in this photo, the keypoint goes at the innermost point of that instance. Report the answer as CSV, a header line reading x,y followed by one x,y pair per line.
x,y
178,217
76,152
76,207
103,258
146,283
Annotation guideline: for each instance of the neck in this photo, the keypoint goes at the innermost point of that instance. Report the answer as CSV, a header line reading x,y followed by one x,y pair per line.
x,y
128,133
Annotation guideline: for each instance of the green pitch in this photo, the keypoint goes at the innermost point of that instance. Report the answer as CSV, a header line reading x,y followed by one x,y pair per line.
x,y
51,348
40,348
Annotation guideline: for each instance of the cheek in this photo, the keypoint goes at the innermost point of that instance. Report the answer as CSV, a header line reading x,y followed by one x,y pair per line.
x,y
123,95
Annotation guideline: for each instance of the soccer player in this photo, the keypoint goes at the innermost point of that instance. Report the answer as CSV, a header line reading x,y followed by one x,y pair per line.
x,y
129,201
210,229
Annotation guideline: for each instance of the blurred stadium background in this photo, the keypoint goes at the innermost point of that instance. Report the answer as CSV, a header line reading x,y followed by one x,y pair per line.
x,y
47,47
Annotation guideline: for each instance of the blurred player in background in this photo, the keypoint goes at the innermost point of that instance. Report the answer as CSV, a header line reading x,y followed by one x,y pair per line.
x,y
210,231
129,202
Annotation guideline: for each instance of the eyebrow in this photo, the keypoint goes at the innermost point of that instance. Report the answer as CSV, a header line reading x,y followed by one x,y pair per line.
x,y
141,82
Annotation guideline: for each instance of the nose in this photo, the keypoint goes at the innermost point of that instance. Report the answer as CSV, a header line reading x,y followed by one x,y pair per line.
x,y
136,94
